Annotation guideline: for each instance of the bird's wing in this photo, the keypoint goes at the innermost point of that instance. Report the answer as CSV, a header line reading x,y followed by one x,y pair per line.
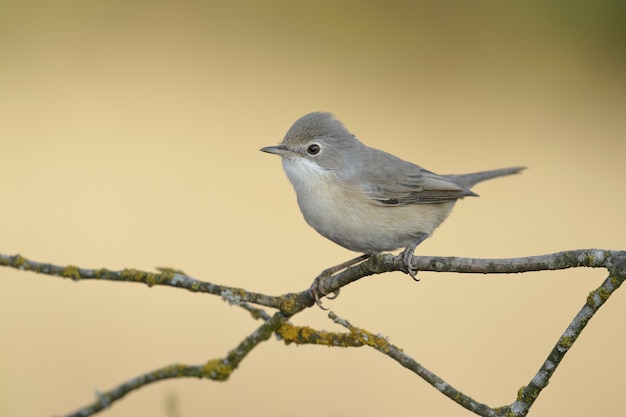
x,y
390,181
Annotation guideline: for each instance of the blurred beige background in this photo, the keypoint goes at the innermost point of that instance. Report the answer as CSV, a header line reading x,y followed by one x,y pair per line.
x,y
129,136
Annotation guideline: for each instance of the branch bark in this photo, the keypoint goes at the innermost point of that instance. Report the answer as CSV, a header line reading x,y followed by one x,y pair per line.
x,y
290,304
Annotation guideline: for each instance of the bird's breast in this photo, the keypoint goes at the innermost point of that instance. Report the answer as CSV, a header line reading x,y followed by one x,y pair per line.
x,y
340,211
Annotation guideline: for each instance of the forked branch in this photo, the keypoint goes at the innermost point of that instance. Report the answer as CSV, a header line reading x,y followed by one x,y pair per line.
x,y
289,304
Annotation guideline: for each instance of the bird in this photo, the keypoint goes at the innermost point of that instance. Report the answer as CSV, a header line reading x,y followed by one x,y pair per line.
x,y
365,199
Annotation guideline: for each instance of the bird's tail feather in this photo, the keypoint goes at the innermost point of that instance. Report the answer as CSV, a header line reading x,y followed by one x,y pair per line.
x,y
469,180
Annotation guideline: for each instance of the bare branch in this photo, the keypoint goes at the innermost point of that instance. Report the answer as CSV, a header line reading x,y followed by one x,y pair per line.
x,y
528,394
613,261
292,303
105,399
218,369
166,276
360,337
378,264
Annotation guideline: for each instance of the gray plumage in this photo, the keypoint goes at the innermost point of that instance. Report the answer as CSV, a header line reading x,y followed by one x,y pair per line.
x,y
362,198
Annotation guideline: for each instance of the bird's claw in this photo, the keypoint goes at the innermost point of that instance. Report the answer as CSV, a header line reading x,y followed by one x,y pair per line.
x,y
407,256
407,259
317,290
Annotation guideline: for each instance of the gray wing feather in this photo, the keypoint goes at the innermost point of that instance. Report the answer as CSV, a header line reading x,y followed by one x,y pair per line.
x,y
388,180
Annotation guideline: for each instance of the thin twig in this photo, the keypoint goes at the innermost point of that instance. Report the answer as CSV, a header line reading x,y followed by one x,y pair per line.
x,y
596,299
167,277
218,369
358,337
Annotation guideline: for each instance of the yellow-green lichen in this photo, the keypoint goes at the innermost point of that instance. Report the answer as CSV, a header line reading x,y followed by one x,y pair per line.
x,y
166,269
151,279
174,369
458,397
216,369
534,394
294,334
71,271
504,410
288,302
355,338
590,299
256,313
135,275
527,397
366,338
584,321
600,292
164,276
615,281
604,294
19,261
566,342
102,273
130,274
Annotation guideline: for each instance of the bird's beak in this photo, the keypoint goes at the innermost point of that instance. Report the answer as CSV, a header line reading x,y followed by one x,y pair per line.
x,y
277,150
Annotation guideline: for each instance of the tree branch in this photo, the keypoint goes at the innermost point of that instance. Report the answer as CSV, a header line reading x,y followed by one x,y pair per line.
x,y
218,369
295,302
596,299
292,303
166,277
358,337
378,264
615,263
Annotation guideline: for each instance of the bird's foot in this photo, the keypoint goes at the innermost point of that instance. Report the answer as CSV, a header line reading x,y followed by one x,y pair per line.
x,y
317,287
407,256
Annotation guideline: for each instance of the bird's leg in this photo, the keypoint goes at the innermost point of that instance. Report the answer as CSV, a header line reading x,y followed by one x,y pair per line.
x,y
317,287
407,255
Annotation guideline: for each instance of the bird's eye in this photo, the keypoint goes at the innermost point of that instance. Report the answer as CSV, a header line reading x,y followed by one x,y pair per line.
x,y
313,149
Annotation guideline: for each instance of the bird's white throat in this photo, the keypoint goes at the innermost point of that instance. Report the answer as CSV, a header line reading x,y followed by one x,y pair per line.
x,y
304,172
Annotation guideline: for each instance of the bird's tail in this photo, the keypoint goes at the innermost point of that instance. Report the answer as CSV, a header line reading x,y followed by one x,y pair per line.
x,y
469,180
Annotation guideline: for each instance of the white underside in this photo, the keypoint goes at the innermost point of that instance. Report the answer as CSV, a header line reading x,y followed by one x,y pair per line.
x,y
345,215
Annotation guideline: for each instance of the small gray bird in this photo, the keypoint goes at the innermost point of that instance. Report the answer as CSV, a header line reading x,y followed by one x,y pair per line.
x,y
364,199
